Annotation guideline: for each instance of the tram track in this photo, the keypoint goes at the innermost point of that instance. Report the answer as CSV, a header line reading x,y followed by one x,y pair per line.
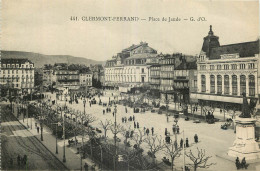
x,y
34,146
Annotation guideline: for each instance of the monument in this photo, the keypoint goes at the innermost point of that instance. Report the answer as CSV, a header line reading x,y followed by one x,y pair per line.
x,y
245,144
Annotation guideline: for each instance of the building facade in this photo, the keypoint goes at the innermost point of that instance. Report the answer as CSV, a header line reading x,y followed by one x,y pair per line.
x,y
185,81
18,75
129,69
167,64
85,79
226,72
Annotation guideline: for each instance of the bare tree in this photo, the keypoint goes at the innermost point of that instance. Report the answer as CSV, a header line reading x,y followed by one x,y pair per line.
x,y
155,144
171,150
138,138
106,125
199,161
140,159
126,134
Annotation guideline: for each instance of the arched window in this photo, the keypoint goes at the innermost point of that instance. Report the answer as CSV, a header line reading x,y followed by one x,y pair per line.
x,y
226,84
251,85
234,85
203,83
219,84
242,84
212,84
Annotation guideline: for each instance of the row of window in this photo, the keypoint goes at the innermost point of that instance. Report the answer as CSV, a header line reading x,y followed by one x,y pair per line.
x,y
167,68
228,66
17,65
167,61
181,73
66,72
234,83
16,71
167,82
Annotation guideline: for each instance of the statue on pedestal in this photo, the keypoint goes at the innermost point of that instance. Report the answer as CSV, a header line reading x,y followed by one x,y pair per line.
x,y
245,145
245,108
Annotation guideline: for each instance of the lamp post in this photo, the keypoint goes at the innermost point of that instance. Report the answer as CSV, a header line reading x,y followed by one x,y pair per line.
x,y
115,138
64,155
57,124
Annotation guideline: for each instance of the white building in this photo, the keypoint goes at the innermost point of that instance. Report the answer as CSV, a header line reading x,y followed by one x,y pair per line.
x,y
17,74
128,69
85,79
227,71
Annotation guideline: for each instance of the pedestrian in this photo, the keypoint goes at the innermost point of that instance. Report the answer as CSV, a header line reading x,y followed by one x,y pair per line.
x,y
243,163
178,129
38,129
237,163
187,142
133,117
131,134
196,138
103,112
181,142
175,144
134,125
113,114
36,125
165,132
152,131
18,160
173,129
86,167
125,109
147,131
123,120
137,125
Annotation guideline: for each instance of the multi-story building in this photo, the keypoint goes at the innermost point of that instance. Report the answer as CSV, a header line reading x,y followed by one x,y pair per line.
x,y
85,79
166,76
48,77
227,71
67,78
128,69
185,80
154,73
17,74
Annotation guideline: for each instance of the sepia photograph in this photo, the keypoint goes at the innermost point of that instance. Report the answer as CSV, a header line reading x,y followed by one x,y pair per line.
x,y
158,85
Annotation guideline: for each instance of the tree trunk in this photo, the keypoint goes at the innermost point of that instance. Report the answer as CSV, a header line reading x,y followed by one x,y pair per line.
x,y
172,163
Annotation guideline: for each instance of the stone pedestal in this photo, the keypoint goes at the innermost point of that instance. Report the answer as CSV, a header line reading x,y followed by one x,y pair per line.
x,y
245,144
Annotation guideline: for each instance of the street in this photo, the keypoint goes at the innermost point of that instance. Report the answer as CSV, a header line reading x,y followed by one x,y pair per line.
x,y
17,140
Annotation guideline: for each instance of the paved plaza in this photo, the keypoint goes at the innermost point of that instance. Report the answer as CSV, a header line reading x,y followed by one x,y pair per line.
x,y
211,138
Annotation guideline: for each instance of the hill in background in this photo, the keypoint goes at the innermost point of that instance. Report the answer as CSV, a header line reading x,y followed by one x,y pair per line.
x,y
40,59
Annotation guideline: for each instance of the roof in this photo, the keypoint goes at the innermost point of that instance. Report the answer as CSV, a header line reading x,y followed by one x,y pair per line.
x,y
131,47
245,49
189,66
142,55
15,61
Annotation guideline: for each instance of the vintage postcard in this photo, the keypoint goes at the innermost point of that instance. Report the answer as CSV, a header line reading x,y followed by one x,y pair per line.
x,y
130,85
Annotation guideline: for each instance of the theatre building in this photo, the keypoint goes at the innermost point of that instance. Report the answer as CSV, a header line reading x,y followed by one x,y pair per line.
x,y
225,72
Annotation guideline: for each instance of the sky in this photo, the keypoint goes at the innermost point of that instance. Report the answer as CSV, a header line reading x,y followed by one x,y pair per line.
x,y
44,26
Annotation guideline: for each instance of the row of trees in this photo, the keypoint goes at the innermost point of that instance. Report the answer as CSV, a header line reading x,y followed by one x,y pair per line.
x,y
133,154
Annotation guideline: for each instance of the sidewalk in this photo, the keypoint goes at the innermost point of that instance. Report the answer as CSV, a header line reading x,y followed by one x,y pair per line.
x,y
49,140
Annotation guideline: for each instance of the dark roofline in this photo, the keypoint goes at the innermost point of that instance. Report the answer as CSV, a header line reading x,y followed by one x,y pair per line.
x,y
237,44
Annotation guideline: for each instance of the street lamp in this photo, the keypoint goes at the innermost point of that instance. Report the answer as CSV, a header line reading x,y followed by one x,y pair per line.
x,y
115,138
64,155
57,124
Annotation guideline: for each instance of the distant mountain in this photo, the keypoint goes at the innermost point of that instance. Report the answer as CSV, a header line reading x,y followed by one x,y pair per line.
x,y
39,59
